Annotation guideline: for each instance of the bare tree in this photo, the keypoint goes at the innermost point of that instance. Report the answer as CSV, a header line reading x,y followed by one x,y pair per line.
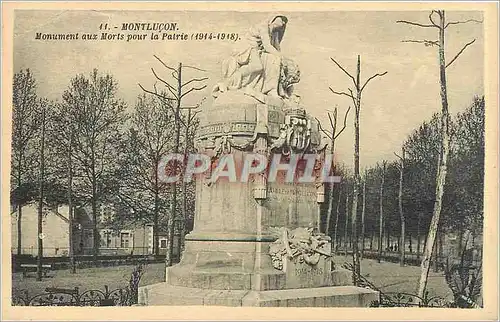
x,y
381,209
441,25
332,135
355,96
176,93
25,127
400,167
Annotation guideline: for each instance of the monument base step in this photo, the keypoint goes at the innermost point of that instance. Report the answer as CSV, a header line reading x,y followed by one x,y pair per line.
x,y
334,296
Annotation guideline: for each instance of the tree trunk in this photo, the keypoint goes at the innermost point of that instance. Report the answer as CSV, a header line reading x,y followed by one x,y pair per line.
x,y
410,242
184,184
401,214
438,250
336,223
156,210
441,249
70,207
387,235
95,231
460,241
371,239
435,256
329,211
418,236
381,217
19,228
173,208
331,194
19,210
363,219
442,165
346,223
40,200
357,181
156,235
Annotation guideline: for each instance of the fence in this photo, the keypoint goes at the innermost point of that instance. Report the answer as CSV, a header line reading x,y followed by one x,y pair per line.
x,y
126,296
86,261
83,251
73,297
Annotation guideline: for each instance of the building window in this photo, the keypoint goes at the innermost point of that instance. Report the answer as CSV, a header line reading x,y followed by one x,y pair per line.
x,y
106,238
163,243
124,240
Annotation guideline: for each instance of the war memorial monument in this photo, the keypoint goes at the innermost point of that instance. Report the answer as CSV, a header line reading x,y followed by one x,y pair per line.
x,y
257,243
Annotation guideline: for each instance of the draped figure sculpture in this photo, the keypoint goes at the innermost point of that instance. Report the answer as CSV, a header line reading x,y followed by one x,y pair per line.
x,y
258,66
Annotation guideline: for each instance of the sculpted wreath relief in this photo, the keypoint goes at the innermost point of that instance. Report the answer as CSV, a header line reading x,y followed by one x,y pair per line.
x,y
300,244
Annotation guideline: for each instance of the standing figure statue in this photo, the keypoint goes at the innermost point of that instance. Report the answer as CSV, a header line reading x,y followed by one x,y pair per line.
x,y
258,66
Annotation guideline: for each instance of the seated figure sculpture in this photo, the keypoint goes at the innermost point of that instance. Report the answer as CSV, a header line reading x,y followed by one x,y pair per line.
x,y
258,67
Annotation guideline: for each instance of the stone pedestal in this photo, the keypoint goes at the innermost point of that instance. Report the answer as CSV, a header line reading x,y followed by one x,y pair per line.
x,y
227,258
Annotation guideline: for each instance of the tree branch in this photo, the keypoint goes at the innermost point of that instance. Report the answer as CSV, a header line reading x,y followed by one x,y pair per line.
x,y
196,68
194,114
333,123
345,122
417,24
460,52
328,134
345,71
170,87
462,22
194,89
194,80
156,94
430,18
342,93
174,71
369,79
425,42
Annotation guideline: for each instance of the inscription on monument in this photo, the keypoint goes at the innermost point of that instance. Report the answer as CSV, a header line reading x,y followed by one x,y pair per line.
x,y
310,271
291,194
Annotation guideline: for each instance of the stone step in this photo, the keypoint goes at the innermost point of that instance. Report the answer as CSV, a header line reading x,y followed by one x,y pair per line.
x,y
336,296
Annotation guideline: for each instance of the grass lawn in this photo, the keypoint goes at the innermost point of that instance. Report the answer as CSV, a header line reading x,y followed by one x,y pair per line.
x,y
388,277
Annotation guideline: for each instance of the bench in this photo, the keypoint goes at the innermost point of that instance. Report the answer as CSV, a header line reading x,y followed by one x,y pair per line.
x,y
33,268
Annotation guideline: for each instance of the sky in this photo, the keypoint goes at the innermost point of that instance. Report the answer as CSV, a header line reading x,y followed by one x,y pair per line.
x,y
392,105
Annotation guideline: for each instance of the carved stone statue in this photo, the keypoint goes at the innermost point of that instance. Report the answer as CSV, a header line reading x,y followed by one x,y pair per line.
x,y
257,67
